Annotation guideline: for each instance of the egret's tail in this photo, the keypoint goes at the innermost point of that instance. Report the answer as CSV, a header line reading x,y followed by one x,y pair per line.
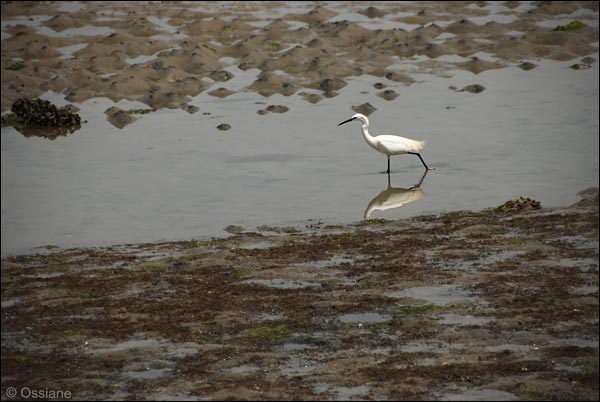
x,y
417,146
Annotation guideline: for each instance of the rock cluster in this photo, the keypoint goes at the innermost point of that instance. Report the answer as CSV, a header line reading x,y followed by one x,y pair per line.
x,y
42,113
519,204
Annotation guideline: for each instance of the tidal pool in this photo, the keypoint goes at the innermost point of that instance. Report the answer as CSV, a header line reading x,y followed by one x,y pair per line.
x,y
172,175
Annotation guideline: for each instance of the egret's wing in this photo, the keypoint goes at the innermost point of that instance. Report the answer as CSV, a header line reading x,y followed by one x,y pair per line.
x,y
398,145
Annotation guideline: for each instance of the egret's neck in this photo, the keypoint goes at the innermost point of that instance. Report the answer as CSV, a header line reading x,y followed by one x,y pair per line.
x,y
368,137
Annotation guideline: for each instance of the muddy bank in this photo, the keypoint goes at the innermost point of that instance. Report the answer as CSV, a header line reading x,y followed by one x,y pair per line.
x,y
163,54
494,304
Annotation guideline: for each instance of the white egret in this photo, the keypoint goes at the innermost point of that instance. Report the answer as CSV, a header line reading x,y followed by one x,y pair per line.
x,y
389,144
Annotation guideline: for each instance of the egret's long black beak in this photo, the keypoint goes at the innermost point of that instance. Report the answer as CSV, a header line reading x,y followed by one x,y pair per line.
x,y
344,122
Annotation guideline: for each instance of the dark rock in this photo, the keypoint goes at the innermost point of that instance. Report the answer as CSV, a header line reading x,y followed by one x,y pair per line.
x,y
589,197
277,108
399,77
191,109
519,204
527,65
39,118
234,229
119,118
288,89
221,92
588,60
475,88
221,75
224,127
511,4
373,12
312,98
365,108
180,264
388,94
43,113
16,66
157,99
330,85
580,66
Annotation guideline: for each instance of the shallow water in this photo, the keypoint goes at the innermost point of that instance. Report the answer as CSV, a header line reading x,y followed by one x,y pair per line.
x,y
364,318
338,393
477,394
439,295
172,175
145,375
283,283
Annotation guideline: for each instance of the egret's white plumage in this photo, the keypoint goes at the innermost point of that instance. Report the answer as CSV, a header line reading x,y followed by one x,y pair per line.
x,y
388,144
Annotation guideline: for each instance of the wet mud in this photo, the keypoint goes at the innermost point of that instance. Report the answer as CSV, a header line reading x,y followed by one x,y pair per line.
x,y
491,304
162,54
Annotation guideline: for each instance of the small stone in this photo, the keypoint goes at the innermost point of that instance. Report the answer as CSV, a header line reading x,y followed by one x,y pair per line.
x,y
224,126
191,109
373,12
388,94
288,89
588,60
312,98
234,229
365,108
180,264
330,85
119,118
399,77
221,92
580,66
527,66
277,108
221,75
475,88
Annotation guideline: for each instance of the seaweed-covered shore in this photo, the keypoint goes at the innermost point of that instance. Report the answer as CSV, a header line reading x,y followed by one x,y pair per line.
x,y
488,304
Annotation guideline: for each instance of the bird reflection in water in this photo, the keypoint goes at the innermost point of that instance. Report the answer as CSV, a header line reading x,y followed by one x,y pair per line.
x,y
395,197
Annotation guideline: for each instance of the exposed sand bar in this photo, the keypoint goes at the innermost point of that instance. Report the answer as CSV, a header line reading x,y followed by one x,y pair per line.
x,y
163,53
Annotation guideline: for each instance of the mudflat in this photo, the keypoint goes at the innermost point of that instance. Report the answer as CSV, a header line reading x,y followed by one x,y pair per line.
x,y
500,303
163,54
492,304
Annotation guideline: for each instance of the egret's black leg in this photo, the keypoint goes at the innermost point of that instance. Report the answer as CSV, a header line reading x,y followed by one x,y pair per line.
x,y
420,181
388,171
422,161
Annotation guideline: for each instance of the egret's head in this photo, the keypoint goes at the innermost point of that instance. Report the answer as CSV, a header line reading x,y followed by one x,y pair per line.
x,y
357,116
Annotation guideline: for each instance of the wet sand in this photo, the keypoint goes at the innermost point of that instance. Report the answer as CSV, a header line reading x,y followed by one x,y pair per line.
x,y
492,304
162,54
